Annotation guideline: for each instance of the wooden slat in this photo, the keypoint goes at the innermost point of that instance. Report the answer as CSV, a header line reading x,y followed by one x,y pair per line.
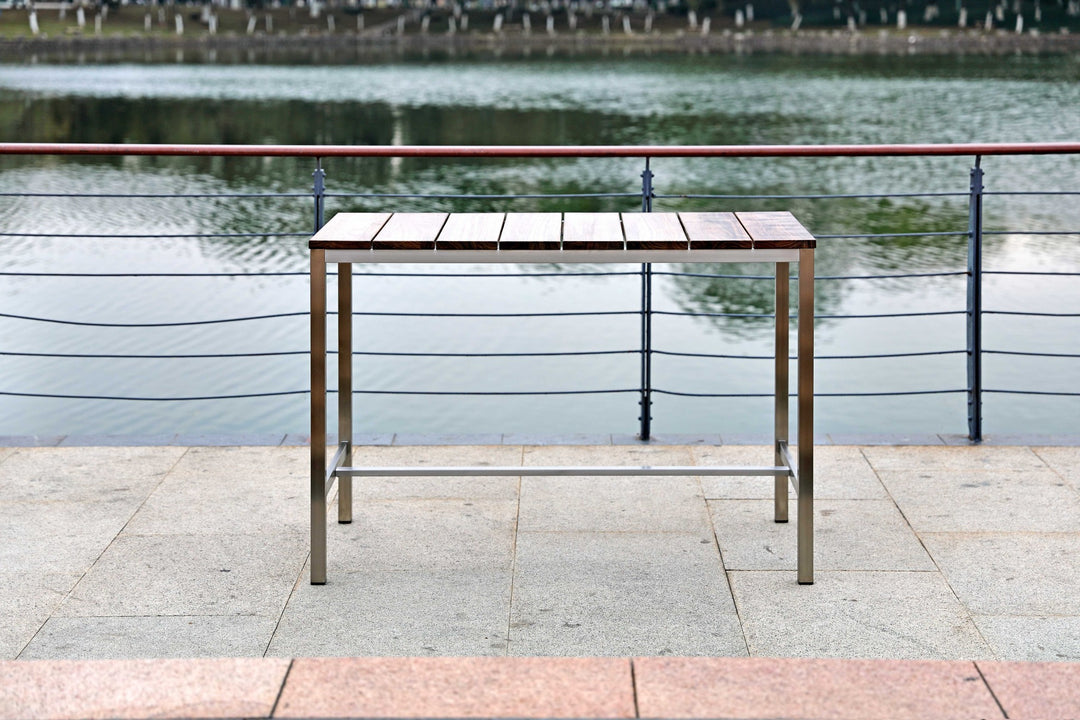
x,y
349,231
531,231
715,231
410,231
470,231
775,230
653,231
592,231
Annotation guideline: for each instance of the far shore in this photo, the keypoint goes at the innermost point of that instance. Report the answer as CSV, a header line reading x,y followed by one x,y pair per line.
x,y
347,45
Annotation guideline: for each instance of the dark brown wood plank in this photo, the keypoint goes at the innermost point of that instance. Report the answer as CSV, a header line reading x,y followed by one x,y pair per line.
x,y
410,231
715,231
772,230
347,231
654,231
470,231
531,231
592,231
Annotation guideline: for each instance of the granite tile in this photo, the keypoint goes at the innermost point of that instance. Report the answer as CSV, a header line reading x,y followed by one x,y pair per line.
x,y
26,601
840,472
556,439
619,593
886,439
1035,690
993,500
91,474
820,688
1010,573
848,534
459,687
59,537
634,455
230,491
407,612
210,688
1047,638
620,504
897,615
152,636
190,575
976,457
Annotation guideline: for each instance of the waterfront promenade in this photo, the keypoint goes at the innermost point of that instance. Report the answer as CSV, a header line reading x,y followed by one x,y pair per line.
x,y
924,552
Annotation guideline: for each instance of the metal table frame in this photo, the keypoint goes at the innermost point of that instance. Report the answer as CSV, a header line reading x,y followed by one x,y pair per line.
x,y
340,466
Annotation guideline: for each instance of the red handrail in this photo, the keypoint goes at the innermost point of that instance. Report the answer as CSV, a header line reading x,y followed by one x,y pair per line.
x,y
540,151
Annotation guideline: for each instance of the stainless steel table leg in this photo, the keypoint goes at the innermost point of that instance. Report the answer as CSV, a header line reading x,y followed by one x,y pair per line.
x,y
806,417
345,387
318,417
780,413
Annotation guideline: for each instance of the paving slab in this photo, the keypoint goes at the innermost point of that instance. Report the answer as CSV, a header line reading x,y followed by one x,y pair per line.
x,y
976,457
230,491
849,535
425,534
5,453
601,594
900,615
1063,460
557,439
439,456
1034,639
1035,690
190,575
748,688
414,612
1010,573
996,500
839,473
614,504
887,439
26,602
209,688
59,537
97,474
450,687
633,455
154,636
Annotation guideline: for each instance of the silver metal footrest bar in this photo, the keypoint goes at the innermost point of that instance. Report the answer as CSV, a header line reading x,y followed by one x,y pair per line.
x,y
617,470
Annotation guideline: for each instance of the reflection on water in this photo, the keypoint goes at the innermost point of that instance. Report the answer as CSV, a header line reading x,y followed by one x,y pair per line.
x,y
564,100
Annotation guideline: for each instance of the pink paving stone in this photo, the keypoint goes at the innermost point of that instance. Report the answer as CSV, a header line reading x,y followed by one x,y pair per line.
x,y
826,689
1035,690
210,688
459,687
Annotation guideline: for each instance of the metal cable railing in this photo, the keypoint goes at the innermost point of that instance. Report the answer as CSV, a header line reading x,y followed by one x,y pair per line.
x,y
974,233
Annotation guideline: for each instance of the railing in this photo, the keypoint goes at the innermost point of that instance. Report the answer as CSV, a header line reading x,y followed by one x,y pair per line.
x,y
974,233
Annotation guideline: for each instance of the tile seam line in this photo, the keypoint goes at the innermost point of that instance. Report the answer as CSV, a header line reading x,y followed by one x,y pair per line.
x,y
944,578
513,562
281,690
990,689
726,572
1068,483
82,576
634,687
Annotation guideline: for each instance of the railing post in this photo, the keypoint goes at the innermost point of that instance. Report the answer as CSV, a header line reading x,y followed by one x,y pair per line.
x,y
646,317
974,305
318,191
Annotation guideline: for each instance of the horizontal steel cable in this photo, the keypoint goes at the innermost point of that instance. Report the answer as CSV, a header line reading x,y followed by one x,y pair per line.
x,y
305,273
1033,392
816,277
306,313
308,392
1029,314
817,317
451,196
1030,272
125,196
816,357
1031,354
892,235
99,356
830,196
817,394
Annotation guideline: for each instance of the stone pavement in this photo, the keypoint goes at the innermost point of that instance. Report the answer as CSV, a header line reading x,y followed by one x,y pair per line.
x,y
941,562
520,687
952,553
922,553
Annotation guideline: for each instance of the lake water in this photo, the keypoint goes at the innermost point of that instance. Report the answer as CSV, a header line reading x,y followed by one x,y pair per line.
x,y
683,99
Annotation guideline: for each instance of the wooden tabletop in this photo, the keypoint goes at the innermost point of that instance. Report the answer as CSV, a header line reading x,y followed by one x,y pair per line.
x,y
563,231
